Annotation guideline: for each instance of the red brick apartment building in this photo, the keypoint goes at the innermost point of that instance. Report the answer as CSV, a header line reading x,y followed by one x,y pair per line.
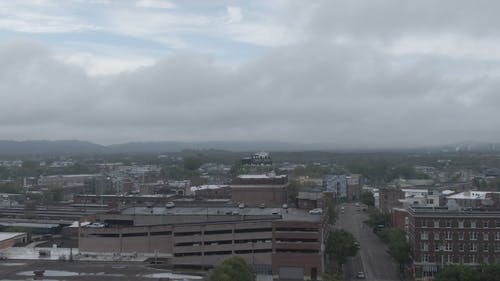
x,y
284,243
442,236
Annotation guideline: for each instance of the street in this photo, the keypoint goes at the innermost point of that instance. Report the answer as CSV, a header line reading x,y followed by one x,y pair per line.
x,y
372,258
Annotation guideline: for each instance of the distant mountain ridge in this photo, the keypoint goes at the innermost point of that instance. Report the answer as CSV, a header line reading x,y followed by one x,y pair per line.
x,y
46,147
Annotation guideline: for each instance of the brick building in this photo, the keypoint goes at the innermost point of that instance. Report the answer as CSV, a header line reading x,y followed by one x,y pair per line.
x,y
441,236
271,190
389,198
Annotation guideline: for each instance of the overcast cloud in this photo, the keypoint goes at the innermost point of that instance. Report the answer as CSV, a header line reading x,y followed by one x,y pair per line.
x,y
385,73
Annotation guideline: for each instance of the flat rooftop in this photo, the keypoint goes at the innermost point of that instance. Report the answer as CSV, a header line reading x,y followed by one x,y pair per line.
x,y
472,195
10,235
445,211
274,213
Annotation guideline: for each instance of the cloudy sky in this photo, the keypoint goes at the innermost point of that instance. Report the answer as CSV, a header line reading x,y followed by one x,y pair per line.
x,y
358,73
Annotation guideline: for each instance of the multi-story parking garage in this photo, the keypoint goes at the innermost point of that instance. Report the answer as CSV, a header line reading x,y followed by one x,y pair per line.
x,y
285,243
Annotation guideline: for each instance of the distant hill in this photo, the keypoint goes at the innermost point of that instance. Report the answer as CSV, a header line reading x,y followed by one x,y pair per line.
x,y
44,147
36,147
170,146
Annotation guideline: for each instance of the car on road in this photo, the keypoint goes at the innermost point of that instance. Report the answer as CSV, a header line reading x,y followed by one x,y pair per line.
x,y
317,211
360,275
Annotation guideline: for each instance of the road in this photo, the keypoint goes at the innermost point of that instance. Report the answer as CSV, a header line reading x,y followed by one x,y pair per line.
x,y
372,257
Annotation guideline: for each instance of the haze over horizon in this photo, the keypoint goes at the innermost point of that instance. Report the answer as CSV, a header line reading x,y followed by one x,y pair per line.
x,y
388,73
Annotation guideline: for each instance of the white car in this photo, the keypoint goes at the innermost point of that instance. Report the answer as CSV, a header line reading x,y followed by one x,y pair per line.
x,y
360,275
317,211
170,205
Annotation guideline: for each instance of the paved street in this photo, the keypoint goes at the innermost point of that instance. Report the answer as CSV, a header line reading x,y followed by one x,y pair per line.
x,y
372,257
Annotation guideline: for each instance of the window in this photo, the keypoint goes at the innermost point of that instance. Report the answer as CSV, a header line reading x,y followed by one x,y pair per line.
x,y
497,224
425,247
486,236
497,236
424,235
472,224
473,247
460,236
263,269
472,259
449,258
473,236
460,224
461,247
485,247
425,258
436,235
497,247
448,247
485,224
448,223
448,235
436,224
436,247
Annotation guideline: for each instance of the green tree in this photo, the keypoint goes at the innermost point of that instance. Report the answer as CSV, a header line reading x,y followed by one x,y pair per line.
x,y
331,277
54,194
341,245
377,217
367,198
331,211
234,268
192,163
293,190
459,273
399,248
10,188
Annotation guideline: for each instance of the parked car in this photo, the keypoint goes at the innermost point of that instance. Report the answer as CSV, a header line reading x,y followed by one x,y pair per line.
x,y
317,211
360,275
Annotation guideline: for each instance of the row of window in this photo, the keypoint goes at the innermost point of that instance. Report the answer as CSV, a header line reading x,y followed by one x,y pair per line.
x,y
459,223
460,259
448,235
224,231
214,253
221,242
448,247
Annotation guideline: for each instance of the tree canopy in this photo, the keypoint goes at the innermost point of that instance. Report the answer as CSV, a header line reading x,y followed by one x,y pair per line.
x,y
231,269
367,198
467,273
341,245
399,248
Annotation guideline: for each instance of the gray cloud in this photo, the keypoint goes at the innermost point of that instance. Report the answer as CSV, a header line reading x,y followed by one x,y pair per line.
x,y
353,92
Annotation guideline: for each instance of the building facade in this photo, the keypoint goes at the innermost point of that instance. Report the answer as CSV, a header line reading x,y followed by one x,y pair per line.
x,y
443,236
285,244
